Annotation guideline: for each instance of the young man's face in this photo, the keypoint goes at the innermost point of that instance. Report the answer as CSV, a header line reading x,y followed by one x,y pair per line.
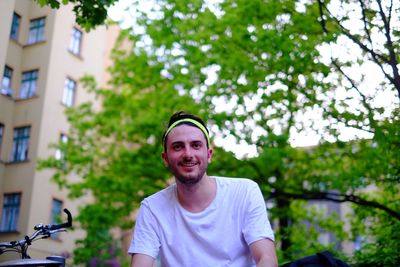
x,y
187,155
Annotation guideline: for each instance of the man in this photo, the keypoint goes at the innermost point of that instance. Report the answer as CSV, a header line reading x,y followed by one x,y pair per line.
x,y
201,220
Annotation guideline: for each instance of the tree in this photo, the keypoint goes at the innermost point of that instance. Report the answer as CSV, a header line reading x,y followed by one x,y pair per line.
x,y
263,60
89,13
265,56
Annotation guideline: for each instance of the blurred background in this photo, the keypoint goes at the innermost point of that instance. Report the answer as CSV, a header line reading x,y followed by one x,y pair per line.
x,y
300,96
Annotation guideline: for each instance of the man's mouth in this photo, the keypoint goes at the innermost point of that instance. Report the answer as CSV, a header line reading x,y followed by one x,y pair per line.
x,y
188,164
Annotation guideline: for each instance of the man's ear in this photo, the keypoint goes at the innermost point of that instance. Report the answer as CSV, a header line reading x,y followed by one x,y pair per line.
x,y
164,158
210,152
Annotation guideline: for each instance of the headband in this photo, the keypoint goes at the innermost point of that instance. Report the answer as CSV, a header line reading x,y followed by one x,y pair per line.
x,y
196,123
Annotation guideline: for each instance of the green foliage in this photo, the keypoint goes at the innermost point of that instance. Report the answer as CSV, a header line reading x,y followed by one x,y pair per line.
x,y
380,236
309,225
117,150
269,75
265,55
89,13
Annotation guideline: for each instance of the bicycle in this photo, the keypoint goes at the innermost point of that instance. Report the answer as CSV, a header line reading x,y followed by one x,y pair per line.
x,y
41,232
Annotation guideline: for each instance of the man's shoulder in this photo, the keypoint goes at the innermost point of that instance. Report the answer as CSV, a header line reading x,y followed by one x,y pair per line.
x,y
163,196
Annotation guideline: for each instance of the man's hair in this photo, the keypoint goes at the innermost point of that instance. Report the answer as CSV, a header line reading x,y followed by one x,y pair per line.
x,y
181,115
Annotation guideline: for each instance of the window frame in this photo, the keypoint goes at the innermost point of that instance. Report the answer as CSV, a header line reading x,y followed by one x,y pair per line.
x,y
11,212
69,93
20,146
7,73
36,30
75,44
15,26
29,84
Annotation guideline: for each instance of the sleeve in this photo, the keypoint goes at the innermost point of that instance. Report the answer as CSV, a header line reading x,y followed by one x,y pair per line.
x,y
256,224
145,238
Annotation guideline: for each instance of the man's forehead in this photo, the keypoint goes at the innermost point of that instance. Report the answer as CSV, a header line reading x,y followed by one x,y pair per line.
x,y
184,131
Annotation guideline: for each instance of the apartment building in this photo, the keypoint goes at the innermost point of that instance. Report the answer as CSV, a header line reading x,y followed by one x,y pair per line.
x,y
43,54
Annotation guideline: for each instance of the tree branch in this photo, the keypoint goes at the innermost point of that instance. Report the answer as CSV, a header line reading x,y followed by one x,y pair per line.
x,y
389,44
336,197
354,86
321,13
364,18
376,58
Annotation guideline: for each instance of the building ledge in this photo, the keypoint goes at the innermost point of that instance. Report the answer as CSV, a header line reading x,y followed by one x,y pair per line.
x,y
16,162
17,42
78,56
26,99
6,91
9,232
7,97
34,44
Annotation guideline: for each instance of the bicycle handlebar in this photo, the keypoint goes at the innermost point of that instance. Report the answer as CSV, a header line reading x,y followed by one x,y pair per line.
x,y
62,225
44,230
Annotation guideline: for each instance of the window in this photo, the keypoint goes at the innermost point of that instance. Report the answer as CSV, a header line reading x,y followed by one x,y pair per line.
x,y
20,144
6,81
59,153
36,31
28,84
69,92
10,215
16,21
56,208
76,41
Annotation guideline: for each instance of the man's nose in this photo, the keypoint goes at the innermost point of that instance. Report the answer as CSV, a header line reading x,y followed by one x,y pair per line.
x,y
188,153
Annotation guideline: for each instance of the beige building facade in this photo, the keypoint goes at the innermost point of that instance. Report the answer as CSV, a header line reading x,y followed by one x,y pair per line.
x,y
43,54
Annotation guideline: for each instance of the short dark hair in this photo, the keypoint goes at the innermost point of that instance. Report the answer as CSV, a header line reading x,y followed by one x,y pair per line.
x,y
179,116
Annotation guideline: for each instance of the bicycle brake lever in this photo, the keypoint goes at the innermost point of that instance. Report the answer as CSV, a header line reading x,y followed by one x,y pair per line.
x,y
38,226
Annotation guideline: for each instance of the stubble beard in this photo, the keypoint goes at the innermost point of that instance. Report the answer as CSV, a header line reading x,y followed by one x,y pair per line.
x,y
188,180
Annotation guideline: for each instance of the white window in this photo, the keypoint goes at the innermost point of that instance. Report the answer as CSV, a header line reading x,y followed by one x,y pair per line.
x,y
68,98
59,153
36,31
6,81
76,41
28,84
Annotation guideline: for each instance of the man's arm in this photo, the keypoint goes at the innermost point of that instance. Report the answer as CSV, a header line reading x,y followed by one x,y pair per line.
x,y
264,253
142,260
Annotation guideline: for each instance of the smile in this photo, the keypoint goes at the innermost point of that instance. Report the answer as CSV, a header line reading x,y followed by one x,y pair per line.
x,y
191,164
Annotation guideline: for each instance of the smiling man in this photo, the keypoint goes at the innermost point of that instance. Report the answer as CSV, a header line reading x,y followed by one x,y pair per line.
x,y
201,220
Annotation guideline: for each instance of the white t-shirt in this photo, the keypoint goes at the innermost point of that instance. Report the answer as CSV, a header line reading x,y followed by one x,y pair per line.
x,y
220,235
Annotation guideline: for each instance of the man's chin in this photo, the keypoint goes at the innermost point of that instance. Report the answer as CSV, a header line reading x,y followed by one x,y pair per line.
x,y
188,180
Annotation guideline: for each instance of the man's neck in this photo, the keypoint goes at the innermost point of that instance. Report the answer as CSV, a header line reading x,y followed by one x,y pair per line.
x,y
196,198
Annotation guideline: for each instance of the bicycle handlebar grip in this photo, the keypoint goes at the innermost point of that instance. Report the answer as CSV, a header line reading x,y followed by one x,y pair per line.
x,y
63,225
5,245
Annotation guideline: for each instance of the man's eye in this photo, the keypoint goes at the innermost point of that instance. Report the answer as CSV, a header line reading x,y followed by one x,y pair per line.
x,y
197,145
177,147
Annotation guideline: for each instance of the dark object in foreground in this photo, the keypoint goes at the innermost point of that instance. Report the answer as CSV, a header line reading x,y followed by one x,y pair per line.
x,y
323,259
